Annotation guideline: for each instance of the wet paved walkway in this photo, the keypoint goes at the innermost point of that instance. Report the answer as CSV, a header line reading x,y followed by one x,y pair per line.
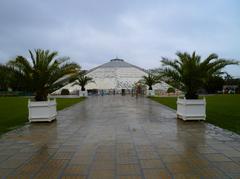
x,y
122,138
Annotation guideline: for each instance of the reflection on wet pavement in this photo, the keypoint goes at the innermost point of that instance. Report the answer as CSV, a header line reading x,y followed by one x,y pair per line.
x,y
119,137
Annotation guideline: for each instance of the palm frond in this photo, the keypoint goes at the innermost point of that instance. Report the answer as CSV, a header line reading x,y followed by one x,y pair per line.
x,y
45,71
191,72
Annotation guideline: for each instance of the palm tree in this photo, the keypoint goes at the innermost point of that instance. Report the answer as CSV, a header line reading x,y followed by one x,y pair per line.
x,y
150,80
83,80
44,71
190,73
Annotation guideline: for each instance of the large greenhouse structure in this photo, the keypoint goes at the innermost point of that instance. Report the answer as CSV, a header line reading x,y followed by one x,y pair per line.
x,y
114,77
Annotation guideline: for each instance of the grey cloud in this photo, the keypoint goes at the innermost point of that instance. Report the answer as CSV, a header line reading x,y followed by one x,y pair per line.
x,y
92,32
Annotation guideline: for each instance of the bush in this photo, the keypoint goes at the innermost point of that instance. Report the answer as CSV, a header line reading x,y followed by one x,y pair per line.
x,y
170,90
65,92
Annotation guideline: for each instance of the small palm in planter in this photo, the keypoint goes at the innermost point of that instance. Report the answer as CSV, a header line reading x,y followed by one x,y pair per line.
x,y
41,75
82,80
150,80
190,74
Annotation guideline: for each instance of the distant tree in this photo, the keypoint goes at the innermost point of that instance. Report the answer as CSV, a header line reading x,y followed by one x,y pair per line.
x,y
229,80
10,78
82,80
214,84
4,77
150,80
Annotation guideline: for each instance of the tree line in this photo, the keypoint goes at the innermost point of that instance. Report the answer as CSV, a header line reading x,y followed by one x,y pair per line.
x,y
46,71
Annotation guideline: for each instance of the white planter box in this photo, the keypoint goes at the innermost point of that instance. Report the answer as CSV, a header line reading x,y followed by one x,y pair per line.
x,y
83,93
191,109
150,93
42,111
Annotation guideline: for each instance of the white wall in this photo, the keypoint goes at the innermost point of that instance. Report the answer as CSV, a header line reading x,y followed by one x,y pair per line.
x,y
115,78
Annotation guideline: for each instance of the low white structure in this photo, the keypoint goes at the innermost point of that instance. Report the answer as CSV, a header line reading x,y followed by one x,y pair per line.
x,y
113,77
42,111
191,109
83,93
150,93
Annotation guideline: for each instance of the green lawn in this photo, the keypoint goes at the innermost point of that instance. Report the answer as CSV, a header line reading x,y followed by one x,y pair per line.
x,y
14,110
222,110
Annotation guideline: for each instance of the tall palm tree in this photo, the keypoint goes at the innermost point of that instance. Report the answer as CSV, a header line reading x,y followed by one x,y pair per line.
x,y
83,80
150,80
43,72
190,73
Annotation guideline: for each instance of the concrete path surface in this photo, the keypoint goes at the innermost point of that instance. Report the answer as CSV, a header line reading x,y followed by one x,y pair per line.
x,y
119,137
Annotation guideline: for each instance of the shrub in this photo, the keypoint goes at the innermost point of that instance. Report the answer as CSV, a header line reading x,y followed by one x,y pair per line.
x,y
65,92
170,90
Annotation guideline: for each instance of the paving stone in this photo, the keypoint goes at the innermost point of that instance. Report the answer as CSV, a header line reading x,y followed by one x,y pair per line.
x,y
127,159
148,155
145,148
198,163
106,165
211,172
128,169
76,169
63,155
130,177
12,163
104,156
100,174
156,174
179,167
48,173
119,137
151,164
73,177
231,153
206,150
235,176
56,163
5,171
28,169
217,157
167,151
4,157
172,158
236,159
81,160
186,176
19,177
228,167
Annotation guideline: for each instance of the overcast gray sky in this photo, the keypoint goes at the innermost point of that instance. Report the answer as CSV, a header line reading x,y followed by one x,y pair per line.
x,y
92,32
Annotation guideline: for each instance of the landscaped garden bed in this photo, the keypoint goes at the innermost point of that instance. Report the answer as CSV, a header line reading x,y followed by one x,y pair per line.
x,y
14,111
222,110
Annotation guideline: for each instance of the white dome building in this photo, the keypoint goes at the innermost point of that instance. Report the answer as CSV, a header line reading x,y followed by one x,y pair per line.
x,y
114,77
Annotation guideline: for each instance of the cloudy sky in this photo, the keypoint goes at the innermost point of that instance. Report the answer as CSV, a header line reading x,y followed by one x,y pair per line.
x,y
92,32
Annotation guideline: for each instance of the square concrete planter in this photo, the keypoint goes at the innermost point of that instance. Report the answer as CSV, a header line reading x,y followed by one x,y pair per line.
x,y
42,111
150,93
191,109
83,93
